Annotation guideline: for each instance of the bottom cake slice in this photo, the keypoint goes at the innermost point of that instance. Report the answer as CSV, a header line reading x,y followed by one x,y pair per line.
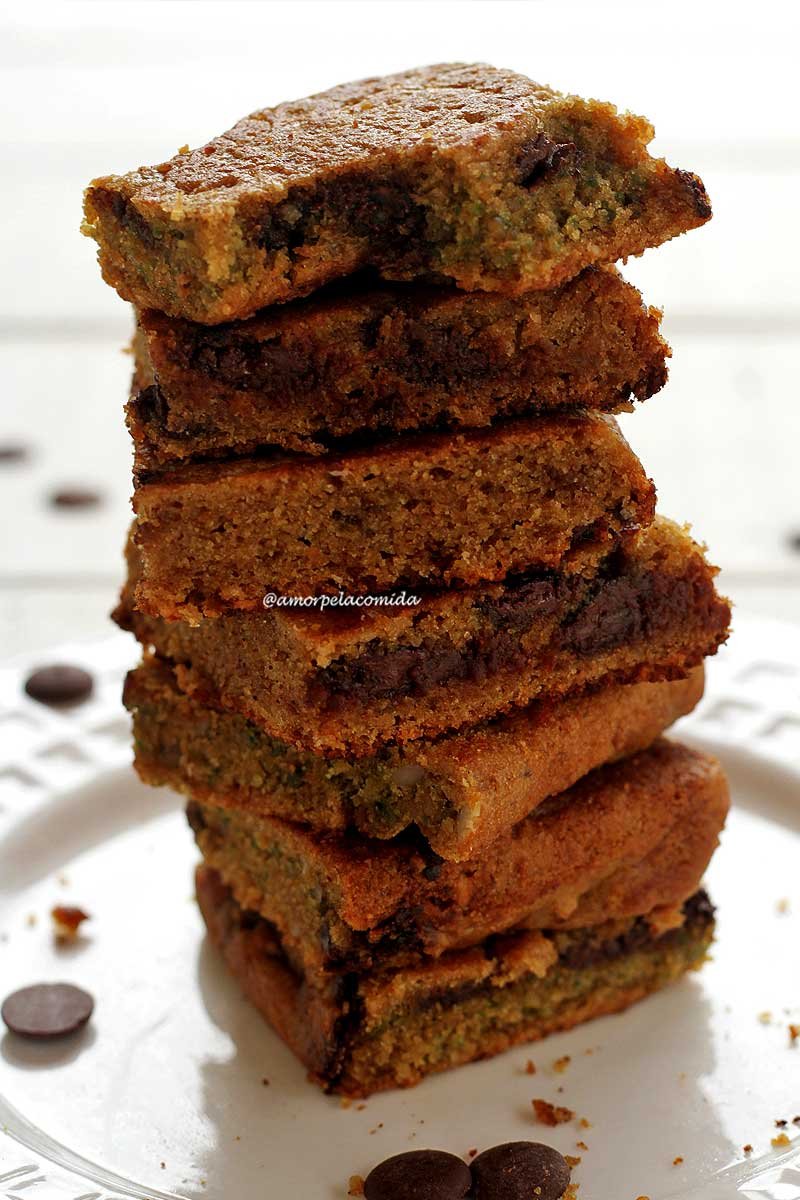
x,y
362,1033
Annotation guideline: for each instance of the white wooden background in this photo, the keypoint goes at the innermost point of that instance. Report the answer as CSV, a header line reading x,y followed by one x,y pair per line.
x,y
89,88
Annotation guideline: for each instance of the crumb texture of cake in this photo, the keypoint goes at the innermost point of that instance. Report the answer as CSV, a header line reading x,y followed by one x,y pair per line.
x,y
347,684
461,791
628,838
425,511
365,1033
462,172
365,358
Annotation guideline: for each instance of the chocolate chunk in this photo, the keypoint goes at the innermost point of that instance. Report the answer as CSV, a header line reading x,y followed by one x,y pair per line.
x,y
150,405
386,213
540,156
59,684
47,1010
194,815
793,541
11,452
699,195
415,670
540,597
519,1171
75,497
433,1174
285,227
613,617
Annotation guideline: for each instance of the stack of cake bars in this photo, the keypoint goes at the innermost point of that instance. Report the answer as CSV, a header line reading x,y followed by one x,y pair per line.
x,y
378,346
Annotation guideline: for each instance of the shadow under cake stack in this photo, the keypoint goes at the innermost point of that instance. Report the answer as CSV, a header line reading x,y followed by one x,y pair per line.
x,y
379,345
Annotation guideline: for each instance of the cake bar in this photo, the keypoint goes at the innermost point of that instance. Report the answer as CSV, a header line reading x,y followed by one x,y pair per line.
x,y
460,172
428,510
360,1034
366,358
343,683
627,838
461,791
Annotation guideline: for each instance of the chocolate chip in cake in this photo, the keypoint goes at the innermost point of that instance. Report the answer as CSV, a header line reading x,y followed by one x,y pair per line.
x,y
59,684
540,156
518,1171
75,497
47,1010
433,1174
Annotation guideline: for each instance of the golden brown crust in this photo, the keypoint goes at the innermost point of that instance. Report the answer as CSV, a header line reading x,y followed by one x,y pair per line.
x,y
374,359
461,791
628,838
337,683
459,171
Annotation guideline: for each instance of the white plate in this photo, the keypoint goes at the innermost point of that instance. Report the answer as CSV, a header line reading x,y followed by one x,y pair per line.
x,y
162,1095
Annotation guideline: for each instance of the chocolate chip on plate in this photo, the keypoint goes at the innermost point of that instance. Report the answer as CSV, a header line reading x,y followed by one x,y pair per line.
x,y
518,1171
433,1174
11,452
47,1010
75,497
59,684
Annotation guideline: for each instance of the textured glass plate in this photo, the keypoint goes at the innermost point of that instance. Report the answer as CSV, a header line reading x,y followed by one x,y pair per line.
x,y
162,1095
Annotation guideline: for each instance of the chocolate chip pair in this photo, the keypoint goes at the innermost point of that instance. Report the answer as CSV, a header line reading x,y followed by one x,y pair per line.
x,y
513,1171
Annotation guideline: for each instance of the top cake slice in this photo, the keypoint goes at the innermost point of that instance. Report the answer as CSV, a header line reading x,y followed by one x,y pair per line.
x,y
459,172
